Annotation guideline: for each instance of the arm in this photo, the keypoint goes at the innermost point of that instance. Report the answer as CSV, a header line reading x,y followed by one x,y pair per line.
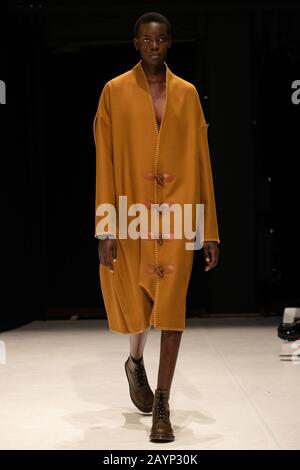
x,y
207,197
105,191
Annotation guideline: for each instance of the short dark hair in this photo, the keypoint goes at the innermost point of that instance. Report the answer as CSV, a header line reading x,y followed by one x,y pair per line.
x,y
147,18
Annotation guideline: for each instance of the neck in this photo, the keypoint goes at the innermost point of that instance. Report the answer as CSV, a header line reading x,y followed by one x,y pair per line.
x,y
154,73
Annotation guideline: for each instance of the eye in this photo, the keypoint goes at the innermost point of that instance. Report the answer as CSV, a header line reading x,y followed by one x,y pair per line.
x,y
145,39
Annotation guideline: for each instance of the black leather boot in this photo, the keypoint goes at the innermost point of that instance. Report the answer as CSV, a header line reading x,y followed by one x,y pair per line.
x,y
289,331
161,430
139,389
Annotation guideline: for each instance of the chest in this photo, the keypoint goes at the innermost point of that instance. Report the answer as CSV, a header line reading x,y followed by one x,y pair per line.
x,y
158,96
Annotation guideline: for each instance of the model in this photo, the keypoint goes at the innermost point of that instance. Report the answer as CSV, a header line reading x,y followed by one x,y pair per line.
x,y
151,146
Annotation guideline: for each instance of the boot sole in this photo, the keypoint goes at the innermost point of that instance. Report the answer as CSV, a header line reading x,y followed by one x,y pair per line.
x,y
162,437
144,410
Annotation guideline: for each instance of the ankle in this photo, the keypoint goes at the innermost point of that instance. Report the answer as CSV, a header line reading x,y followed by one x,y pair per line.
x,y
136,360
166,391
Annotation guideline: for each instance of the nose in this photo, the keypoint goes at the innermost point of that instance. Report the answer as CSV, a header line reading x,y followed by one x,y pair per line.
x,y
154,44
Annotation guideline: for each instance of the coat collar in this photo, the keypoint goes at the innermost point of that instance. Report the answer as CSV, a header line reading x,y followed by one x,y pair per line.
x,y
141,76
142,82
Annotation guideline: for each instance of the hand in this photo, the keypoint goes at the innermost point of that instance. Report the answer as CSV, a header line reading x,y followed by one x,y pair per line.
x,y
211,254
107,251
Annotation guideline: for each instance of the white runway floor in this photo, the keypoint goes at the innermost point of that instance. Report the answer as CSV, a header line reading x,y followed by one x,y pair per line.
x,y
63,386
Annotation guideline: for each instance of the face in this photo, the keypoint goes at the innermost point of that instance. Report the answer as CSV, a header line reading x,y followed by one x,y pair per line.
x,y
153,42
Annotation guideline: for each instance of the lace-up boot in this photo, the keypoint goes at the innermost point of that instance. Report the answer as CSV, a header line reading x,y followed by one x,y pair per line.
x,y
161,430
139,389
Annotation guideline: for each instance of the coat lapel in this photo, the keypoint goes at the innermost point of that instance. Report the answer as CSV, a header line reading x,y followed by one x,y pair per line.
x,y
143,83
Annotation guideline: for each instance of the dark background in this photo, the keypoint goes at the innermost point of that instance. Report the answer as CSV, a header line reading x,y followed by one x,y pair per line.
x,y
55,59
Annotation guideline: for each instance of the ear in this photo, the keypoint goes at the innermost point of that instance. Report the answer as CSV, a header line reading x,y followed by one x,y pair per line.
x,y
135,43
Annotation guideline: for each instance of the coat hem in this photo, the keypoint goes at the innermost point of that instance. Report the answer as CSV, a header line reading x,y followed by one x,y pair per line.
x,y
161,328
169,328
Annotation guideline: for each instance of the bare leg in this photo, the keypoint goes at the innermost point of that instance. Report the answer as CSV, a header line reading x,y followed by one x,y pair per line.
x,y
137,343
169,347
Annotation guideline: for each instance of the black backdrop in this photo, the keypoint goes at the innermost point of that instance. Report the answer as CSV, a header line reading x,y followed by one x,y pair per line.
x,y
241,57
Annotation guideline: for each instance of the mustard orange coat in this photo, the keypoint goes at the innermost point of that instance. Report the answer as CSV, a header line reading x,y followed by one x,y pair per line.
x,y
151,277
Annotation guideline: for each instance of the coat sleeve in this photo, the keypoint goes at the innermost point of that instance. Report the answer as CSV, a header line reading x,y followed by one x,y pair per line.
x,y
207,196
104,191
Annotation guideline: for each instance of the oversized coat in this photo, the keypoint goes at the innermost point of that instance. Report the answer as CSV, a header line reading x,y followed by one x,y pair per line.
x,y
150,166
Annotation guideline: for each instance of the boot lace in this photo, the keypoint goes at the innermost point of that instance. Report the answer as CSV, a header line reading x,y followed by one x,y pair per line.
x,y
140,375
160,409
